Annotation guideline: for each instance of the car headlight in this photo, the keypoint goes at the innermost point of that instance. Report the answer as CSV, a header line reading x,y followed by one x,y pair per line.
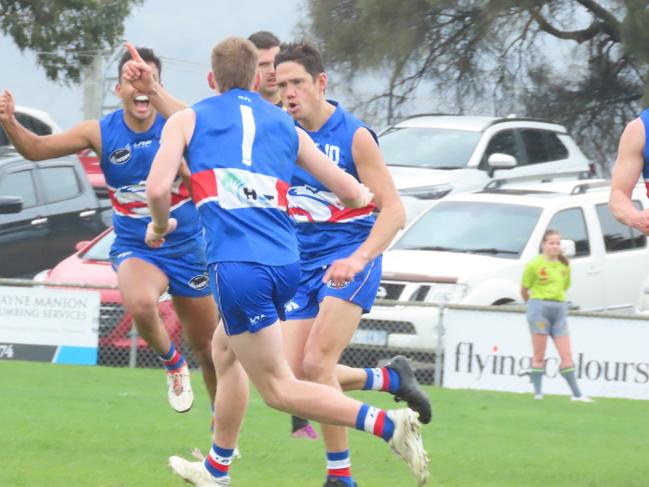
x,y
447,293
433,192
41,276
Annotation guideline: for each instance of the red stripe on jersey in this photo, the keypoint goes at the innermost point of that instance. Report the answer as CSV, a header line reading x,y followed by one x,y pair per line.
x,y
294,210
183,191
125,208
378,425
218,466
204,185
347,213
340,472
179,195
646,185
282,190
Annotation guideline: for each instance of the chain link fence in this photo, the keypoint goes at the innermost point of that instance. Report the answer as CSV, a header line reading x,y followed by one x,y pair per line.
x,y
119,345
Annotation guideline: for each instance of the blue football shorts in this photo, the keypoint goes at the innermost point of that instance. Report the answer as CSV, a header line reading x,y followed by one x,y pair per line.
x,y
186,270
311,291
252,296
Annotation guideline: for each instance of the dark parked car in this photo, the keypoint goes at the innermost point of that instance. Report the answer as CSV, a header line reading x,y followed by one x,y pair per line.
x,y
58,209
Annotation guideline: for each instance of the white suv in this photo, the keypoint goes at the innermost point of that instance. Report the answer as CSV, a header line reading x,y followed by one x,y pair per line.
x,y
430,156
472,248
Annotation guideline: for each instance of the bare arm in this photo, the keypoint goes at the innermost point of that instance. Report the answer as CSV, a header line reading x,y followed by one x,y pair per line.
x,y
525,293
140,75
626,172
352,194
38,147
373,172
165,168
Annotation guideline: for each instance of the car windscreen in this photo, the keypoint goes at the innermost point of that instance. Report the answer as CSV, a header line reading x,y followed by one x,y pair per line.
x,y
101,249
428,147
484,228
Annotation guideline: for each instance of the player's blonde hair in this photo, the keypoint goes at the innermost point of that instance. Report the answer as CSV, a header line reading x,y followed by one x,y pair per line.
x,y
234,64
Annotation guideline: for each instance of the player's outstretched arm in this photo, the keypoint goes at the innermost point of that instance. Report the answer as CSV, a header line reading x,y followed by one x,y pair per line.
x,y
38,147
352,194
166,165
626,172
140,75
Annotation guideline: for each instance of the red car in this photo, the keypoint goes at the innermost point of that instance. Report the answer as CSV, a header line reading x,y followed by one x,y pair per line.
x,y
90,264
95,175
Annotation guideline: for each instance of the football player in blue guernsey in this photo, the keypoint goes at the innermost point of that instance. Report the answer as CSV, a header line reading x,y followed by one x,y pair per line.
x,y
242,152
126,141
267,45
321,317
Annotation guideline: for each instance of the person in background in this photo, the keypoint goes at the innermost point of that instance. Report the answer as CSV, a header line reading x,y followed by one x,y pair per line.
x,y
267,45
545,281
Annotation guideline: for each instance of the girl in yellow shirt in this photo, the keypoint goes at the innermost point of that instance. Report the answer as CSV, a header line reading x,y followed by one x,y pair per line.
x,y
545,281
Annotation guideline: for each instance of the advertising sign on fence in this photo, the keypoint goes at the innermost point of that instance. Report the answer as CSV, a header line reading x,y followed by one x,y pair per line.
x,y
49,325
488,350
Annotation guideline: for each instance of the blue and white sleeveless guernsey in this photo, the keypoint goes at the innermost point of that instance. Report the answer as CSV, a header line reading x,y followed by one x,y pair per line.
x,y
126,161
313,207
644,116
242,155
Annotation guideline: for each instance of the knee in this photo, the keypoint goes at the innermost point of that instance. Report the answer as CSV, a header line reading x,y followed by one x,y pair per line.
x,y
315,368
143,309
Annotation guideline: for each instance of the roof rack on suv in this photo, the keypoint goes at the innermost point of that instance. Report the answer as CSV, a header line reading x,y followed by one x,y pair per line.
x,y
582,188
541,178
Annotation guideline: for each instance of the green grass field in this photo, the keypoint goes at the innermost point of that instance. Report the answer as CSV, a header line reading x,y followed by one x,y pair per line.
x,y
102,427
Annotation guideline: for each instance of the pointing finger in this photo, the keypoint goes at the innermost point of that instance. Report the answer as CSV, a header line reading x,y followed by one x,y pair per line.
x,y
133,51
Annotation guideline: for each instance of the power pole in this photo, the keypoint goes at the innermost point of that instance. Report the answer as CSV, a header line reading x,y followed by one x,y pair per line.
x,y
93,89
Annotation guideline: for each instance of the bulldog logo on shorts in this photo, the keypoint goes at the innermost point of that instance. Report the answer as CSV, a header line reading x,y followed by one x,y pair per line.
x,y
199,282
120,156
333,285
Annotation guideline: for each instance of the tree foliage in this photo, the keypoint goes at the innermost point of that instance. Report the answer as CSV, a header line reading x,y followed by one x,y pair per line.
x,y
65,35
582,63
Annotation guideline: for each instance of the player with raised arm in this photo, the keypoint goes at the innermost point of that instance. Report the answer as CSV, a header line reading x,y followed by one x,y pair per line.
x,y
241,162
126,141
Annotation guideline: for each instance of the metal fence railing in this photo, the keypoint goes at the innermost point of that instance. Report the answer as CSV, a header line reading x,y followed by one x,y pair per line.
x,y
119,345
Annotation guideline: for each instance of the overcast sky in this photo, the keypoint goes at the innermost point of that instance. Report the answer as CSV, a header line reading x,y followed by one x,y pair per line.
x,y
183,31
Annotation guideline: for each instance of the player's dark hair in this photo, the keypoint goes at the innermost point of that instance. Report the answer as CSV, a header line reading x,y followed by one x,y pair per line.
x,y
264,39
302,53
146,54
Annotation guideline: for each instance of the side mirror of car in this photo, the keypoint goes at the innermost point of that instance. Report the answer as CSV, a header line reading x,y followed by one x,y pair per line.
x,y
10,204
497,160
568,248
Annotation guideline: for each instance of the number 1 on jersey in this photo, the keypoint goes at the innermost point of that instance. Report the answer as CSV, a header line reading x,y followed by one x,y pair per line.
x,y
248,124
